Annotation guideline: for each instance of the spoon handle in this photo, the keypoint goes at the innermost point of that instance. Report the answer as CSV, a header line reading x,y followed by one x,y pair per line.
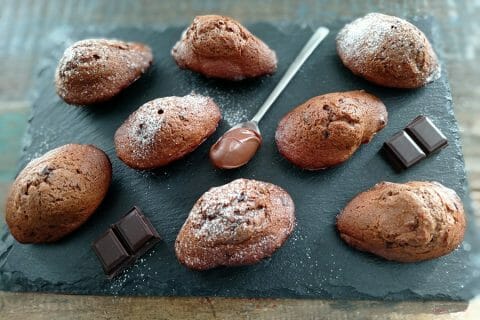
x,y
307,50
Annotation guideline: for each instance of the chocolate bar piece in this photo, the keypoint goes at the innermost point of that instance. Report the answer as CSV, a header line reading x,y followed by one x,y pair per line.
x,y
111,253
402,151
137,232
426,134
125,241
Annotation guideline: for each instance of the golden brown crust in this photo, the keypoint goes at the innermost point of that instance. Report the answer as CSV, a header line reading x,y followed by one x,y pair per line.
x,y
166,129
407,222
220,47
57,192
95,70
388,51
326,130
236,224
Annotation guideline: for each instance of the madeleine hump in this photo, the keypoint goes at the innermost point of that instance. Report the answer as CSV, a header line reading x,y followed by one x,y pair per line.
x,y
166,129
388,51
220,47
57,192
406,222
95,70
326,130
236,224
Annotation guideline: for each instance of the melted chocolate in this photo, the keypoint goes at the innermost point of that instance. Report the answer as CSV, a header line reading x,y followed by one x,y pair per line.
x,y
235,148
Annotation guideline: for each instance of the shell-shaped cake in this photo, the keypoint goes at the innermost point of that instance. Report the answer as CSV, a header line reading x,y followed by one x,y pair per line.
x,y
220,47
236,224
95,70
388,51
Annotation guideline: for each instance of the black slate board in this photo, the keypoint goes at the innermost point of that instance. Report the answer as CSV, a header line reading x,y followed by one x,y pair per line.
x,y
314,262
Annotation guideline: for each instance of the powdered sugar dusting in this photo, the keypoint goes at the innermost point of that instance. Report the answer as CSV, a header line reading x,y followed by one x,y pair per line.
x,y
436,74
229,214
374,37
234,108
364,36
234,116
146,122
94,70
88,51
150,118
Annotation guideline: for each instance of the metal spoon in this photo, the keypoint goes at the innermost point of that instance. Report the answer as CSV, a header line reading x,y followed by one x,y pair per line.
x,y
239,144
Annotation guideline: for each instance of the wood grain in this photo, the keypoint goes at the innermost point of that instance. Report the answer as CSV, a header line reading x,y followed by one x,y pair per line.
x,y
25,23
50,306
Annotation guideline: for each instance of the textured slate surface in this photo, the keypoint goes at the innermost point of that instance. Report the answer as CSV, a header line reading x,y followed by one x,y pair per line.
x,y
314,262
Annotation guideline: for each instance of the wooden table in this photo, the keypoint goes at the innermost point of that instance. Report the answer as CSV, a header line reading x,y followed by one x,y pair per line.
x,y
25,23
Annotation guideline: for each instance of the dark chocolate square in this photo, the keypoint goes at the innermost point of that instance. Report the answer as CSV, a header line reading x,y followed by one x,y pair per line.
x,y
125,241
426,134
136,231
111,252
403,151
